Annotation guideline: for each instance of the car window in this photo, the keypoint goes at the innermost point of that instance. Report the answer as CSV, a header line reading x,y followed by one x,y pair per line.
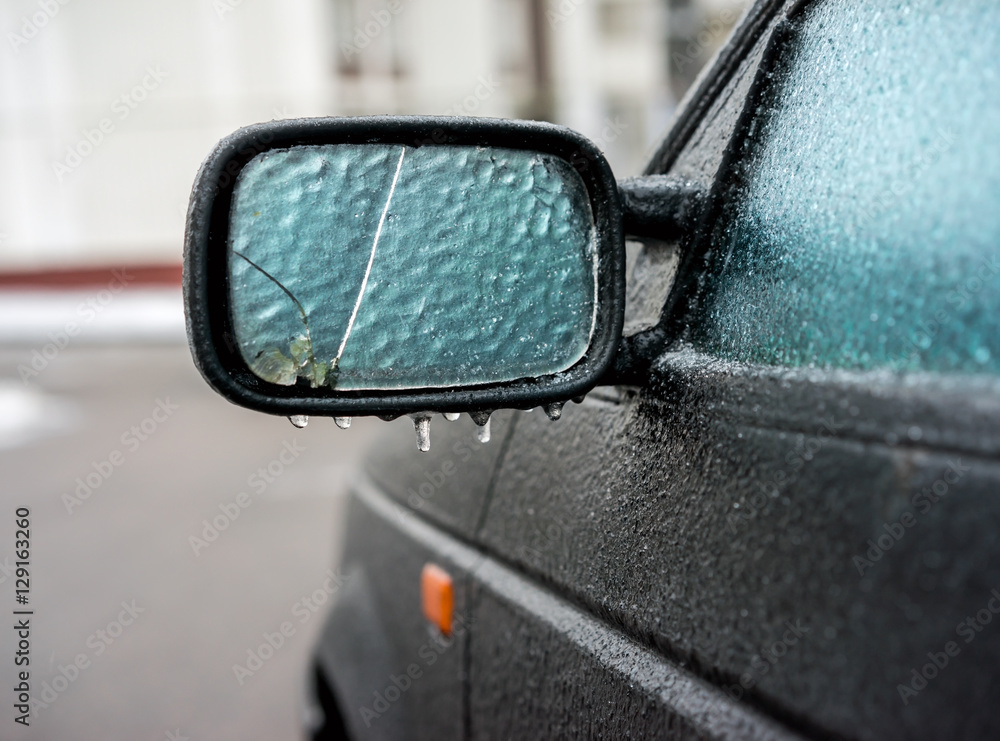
x,y
860,222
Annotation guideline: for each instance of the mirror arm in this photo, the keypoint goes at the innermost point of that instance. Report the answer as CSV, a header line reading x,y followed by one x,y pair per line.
x,y
659,207
666,209
635,355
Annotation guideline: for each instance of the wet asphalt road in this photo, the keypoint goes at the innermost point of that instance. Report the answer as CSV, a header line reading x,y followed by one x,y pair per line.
x,y
161,665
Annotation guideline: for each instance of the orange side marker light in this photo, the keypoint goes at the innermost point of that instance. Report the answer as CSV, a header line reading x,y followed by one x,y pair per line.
x,y
437,596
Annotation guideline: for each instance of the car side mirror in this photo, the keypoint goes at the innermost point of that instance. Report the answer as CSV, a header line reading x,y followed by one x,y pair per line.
x,y
395,265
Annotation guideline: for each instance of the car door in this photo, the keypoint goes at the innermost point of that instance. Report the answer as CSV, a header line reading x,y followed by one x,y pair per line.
x,y
395,675
787,524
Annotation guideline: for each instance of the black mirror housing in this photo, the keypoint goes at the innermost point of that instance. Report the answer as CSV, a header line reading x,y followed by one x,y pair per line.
x,y
208,295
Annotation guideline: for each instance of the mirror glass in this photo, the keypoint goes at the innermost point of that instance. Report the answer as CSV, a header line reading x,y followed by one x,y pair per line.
x,y
384,266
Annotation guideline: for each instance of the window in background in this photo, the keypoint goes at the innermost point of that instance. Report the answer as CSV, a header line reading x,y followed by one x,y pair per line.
x,y
695,31
368,55
345,21
620,19
516,56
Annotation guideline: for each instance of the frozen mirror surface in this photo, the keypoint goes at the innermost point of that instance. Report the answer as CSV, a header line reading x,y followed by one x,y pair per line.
x,y
381,266
864,227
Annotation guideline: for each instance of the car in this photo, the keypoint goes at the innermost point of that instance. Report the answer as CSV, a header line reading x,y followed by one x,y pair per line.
x,y
770,510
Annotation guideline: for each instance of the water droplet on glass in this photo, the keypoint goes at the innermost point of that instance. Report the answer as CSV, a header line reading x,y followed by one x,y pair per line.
x,y
422,425
452,416
299,420
554,410
342,422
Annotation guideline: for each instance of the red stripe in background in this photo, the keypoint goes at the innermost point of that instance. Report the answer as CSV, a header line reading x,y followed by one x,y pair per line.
x,y
136,275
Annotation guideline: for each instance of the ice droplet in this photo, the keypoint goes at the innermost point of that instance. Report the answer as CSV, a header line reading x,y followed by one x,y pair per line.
x,y
342,422
482,420
422,425
299,420
554,410
452,416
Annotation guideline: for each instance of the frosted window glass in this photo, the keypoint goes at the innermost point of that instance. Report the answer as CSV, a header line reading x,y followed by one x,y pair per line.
x,y
864,231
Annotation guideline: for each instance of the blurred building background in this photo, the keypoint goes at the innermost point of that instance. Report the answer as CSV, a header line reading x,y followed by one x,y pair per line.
x,y
107,107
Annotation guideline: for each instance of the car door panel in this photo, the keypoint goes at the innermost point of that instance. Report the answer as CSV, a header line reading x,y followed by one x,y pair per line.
x,y
449,483
541,667
680,518
406,679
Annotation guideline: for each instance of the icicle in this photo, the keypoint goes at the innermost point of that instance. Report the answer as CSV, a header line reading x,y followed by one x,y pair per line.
x,y
422,425
452,416
482,420
342,422
554,410
299,420
483,432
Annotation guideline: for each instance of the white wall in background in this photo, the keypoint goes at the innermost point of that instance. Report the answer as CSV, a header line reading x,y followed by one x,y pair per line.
x,y
166,80
108,107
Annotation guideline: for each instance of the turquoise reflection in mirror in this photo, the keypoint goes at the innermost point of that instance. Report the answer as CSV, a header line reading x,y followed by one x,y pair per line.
x,y
380,266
